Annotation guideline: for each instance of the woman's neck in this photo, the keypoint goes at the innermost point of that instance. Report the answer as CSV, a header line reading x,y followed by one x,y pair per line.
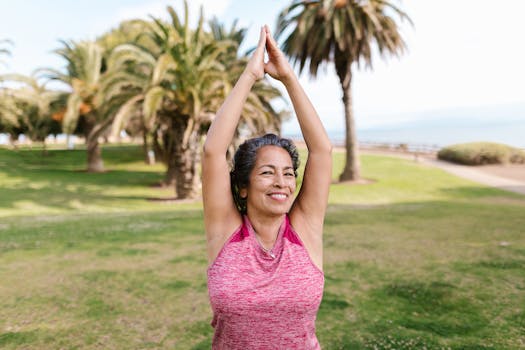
x,y
266,228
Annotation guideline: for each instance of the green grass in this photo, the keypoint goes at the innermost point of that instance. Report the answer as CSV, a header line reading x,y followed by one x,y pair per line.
x,y
416,259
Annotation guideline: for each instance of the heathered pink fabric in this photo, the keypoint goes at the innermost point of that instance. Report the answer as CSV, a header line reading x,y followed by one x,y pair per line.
x,y
260,302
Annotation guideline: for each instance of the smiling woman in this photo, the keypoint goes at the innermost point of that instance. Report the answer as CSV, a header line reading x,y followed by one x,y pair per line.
x,y
257,154
265,278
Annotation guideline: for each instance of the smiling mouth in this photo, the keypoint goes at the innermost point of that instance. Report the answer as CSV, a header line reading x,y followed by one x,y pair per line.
x,y
278,196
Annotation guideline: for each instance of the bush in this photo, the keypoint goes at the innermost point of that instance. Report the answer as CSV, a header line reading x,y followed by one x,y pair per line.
x,y
479,153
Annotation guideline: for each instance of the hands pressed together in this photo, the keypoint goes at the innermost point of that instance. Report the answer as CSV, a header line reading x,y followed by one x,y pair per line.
x,y
277,65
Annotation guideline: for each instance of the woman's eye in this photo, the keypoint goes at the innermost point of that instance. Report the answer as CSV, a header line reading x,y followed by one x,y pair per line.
x,y
289,174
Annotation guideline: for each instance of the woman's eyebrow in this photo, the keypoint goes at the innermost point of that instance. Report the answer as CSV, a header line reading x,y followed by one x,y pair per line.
x,y
267,165
274,167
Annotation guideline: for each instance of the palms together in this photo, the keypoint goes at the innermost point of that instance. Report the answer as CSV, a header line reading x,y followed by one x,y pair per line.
x,y
277,66
256,64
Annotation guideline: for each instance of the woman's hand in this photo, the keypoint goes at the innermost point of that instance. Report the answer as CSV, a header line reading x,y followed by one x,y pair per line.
x,y
277,66
255,66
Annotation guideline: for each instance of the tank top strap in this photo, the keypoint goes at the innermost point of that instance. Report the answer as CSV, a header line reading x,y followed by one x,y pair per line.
x,y
290,234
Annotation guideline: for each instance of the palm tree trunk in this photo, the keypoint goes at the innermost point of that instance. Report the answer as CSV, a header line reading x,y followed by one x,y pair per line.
x,y
181,156
352,169
94,155
187,181
149,155
12,141
184,157
166,149
170,178
94,152
44,148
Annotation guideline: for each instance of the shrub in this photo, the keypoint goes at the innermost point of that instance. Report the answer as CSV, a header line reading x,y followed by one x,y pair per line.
x,y
479,153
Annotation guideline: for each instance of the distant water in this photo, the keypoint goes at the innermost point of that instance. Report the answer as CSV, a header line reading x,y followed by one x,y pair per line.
x,y
512,134
436,136
428,134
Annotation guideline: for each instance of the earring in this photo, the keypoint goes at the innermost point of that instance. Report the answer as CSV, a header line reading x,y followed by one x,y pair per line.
x,y
243,194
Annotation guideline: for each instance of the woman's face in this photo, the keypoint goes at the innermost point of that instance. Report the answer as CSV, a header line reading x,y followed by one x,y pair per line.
x,y
272,182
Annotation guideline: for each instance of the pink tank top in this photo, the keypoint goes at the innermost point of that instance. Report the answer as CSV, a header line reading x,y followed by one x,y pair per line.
x,y
264,300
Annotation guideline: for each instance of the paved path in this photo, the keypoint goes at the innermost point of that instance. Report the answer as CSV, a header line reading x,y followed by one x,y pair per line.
x,y
473,174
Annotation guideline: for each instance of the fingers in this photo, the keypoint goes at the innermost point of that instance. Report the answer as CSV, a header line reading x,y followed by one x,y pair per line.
x,y
262,39
269,35
271,44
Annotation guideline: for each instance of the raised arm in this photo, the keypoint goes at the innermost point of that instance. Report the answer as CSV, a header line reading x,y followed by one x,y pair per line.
x,y
220,214
310,205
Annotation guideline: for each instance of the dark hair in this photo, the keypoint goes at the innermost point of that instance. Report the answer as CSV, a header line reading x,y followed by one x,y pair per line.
x,y
244,161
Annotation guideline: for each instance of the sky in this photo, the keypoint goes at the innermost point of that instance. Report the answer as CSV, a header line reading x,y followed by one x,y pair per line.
x,y
465,59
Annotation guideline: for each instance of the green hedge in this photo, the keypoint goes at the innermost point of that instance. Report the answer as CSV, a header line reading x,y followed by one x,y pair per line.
x,y
479,153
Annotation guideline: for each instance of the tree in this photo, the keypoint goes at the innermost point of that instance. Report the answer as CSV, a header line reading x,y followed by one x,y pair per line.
x,y
140,76
84,109
9,111
205,65
175,83
31,107
195,89
343,32
8,120
172,79
129,31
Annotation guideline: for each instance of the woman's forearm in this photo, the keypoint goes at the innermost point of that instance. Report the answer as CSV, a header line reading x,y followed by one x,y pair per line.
x,y
225,122
312,129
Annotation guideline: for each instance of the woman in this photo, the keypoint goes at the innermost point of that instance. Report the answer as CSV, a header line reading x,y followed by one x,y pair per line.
x,y
265,280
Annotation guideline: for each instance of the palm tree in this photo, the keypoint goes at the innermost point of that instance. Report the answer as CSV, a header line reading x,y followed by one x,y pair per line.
x,y
342,32
140,77
174,82
196,89
206,67
84,108
129,31
33,111
134,70
9,112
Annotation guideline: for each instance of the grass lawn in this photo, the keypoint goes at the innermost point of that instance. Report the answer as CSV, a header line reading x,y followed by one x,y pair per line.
x,y
417,259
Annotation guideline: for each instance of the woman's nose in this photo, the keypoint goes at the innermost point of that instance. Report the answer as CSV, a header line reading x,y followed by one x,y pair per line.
x,y
279,180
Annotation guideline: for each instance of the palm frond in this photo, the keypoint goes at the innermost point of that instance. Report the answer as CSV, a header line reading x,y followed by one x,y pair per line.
x,y
318,30
152,103
71,116
123,114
